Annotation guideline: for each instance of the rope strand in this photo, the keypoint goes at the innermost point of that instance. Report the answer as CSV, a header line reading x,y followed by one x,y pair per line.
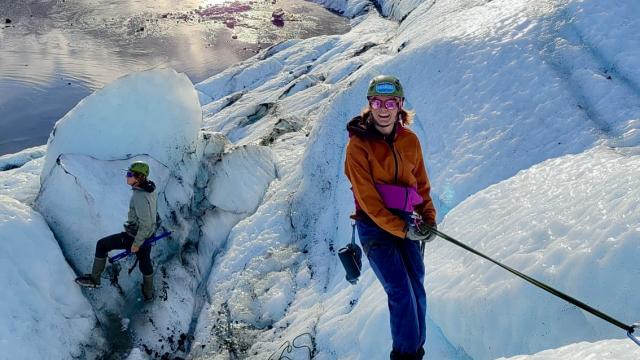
x,y
629,328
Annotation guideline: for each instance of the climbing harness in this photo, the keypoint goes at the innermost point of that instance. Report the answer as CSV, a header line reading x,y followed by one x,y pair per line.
x,y
629,328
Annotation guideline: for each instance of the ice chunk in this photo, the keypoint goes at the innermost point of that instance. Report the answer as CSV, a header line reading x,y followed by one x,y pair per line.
x,y
22,183
154,112
12,161
241,178
45,316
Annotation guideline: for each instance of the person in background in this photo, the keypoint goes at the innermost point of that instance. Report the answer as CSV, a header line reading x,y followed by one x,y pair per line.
x,y
140,225
391,189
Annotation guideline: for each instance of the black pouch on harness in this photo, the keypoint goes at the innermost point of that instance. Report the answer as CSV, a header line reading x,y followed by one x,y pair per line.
x,y
351,258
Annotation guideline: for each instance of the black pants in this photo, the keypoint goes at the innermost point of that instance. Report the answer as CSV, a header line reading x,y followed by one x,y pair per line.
x,y
124,241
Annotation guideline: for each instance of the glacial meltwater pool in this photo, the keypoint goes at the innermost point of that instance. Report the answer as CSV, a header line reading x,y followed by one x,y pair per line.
x,y
53,53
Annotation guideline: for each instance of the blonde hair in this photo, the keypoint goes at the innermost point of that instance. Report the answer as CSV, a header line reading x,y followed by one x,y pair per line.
x,y
406,116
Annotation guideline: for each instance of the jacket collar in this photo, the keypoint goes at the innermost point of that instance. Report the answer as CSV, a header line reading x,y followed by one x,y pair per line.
x,y
366,130
148,186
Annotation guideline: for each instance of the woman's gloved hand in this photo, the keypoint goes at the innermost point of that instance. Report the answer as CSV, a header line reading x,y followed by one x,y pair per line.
x,y
419,231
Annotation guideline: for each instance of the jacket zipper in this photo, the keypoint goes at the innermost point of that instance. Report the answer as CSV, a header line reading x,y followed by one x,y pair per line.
x,y
395,181
395,160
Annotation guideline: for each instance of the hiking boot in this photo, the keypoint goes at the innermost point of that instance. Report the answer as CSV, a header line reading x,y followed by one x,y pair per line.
x,y
402,356
147,288
86,280
93,280
98,268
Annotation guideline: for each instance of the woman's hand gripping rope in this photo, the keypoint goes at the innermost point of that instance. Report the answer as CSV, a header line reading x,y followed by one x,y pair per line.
x,y
419,231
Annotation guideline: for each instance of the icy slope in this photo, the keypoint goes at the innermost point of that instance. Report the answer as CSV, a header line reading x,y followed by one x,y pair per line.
x,y
497,86
571,222
44,314
601,350
152,116
84,197
516,94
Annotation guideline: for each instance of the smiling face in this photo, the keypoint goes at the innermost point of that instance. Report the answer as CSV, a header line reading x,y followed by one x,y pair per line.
x,y
131,180
383,117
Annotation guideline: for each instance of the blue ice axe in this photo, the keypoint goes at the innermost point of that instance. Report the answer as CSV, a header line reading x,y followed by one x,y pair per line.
x,y
148,242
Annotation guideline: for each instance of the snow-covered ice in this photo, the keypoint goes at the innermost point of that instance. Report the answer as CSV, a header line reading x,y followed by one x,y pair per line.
x,y
22,183
600,350
152,116
572,222
205,186
44,314
247,169
494,95
20,174
12,161
528,113
155,112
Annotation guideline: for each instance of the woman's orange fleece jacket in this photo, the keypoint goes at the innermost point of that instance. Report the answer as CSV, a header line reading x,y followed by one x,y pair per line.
x,y
373,158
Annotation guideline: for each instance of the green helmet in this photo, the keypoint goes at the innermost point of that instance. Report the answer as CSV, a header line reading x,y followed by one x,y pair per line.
x,y
385,85
139,167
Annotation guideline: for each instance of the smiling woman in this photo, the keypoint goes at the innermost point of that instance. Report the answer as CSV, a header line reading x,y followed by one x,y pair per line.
x,y
54,53
391,190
